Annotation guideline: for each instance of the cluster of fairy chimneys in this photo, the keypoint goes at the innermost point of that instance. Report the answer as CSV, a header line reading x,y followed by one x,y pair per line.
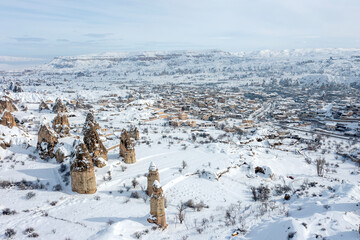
x,y
89,152
48,135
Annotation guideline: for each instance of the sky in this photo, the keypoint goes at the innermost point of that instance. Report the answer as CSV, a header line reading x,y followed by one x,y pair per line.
x,y
38,29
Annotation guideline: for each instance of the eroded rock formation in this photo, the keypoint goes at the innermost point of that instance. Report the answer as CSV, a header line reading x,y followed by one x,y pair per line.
x,y
82,172
134,133
47,140
43,106
157,206
59,106
60,155
15,87
93,143
8,120
7,105
90,121
151,177
127,150
61,125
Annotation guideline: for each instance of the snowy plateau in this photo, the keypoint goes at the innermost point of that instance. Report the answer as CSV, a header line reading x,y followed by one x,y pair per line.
x,y
254,145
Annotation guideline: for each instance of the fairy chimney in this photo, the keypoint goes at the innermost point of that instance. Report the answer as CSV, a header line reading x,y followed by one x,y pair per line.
x,y
127,150
157,206
7,105
47,139
134,133
151,177
7,119
82,171
59,106
90,121
61,125
93,142
43,106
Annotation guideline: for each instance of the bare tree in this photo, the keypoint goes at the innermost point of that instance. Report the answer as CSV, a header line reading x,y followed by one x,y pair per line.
x,y
184,164
134,182
181,212
320,163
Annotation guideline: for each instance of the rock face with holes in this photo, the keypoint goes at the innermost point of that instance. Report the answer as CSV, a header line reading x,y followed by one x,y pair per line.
x,y
93,142
134,133
61,125
7,119
82,171
7,105
59,106
157,206
43,106
151,177
127,150
47,140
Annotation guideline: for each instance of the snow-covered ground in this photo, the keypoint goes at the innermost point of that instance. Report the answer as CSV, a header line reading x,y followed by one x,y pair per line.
x,y
219,174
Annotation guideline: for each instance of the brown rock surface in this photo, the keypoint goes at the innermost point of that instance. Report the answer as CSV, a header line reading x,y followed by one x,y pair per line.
x,y
134,133
59,106
43,106
82,172
90,121
127,150
59,155
61,125
93,142
47,139
7,119
4,144
7,105
157,206
151,177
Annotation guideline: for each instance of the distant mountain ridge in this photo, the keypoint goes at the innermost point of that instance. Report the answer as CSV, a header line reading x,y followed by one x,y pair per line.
x,y
298,66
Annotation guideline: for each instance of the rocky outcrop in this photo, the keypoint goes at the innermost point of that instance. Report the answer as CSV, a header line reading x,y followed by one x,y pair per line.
x,y
43,106
93,142
8,120
15,87
79,104
157,206
60,155
82,172
61,125
90,121
134,133
4,144
127,150
7,105
151,177
59,106
47,140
